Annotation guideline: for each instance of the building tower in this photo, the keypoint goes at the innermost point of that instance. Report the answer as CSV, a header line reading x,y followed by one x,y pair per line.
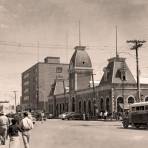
x,y
80,72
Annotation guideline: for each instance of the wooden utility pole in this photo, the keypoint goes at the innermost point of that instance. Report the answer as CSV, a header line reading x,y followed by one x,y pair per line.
x,y
65,104
136,46
15,98
94,101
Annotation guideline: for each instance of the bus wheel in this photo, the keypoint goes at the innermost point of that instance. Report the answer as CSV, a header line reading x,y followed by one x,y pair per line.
x,y
137,125
125,124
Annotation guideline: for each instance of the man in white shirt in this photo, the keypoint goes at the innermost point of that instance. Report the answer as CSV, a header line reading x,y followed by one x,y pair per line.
x,y
26,125
4,123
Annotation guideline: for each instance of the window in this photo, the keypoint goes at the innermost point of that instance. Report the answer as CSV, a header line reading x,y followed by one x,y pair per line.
x,y
146,107
106,73
140,108
121,74
133,109
59,70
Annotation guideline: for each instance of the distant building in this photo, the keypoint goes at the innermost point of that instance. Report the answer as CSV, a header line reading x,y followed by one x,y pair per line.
x,y
116,90
37,82
6,107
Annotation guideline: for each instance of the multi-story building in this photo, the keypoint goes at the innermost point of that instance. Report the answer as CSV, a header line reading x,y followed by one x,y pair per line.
x,y
117,88
37,82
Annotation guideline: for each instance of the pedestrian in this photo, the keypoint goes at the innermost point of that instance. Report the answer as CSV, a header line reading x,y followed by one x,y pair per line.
x,y
101,115
105,115
4,123
13,132
42,116
26,125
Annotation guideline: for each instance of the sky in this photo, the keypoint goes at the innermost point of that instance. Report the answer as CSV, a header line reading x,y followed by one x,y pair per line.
x,y
31,30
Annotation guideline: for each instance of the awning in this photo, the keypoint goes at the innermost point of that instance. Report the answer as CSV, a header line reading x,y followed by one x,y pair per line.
x,y
124,106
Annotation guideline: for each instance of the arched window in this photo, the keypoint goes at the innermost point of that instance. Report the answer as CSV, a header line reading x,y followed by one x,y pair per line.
x,y
146,99
80,107
101,104
120,104
130,100
89,106
57,109
73,104
107,104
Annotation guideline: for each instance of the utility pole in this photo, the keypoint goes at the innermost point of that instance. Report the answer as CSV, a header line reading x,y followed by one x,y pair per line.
x,y
123,78
15,98
136,46
94,101
65,105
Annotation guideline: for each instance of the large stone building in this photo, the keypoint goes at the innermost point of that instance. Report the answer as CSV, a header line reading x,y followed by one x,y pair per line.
x,y
38,81
117,88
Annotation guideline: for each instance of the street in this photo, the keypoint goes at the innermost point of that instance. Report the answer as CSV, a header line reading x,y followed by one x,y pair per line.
x,y
57,133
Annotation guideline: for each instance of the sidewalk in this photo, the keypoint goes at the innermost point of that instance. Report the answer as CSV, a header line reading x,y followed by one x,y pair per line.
x,y
7,143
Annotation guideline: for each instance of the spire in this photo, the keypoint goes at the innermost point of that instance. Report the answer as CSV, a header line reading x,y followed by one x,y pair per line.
x,y
79,34
116,43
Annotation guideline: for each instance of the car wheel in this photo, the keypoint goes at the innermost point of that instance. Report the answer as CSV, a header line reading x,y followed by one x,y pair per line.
x,y
137,125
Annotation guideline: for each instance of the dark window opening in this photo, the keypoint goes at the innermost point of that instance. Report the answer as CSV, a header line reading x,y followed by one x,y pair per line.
x,y
59,70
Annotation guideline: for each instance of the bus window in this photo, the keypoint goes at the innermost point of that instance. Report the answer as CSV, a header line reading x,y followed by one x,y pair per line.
x,y
146,107
133,109
141,107
137,108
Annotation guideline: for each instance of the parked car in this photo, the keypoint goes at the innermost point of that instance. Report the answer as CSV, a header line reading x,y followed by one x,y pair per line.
x,y
49,116
64,115
74,116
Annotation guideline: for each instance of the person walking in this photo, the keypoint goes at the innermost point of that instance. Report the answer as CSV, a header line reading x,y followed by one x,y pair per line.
x,y
4,123
42,116
101,115
105,115
26,125
13,132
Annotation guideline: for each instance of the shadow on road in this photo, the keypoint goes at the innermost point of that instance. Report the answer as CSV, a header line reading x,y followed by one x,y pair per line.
x,y
92,125
134,128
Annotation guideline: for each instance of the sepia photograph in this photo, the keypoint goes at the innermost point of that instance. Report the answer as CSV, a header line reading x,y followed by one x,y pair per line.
x,y
73,73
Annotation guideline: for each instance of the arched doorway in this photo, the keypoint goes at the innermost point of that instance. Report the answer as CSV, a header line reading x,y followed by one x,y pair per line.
x,y
89,107
57,110
60,108
101,104
73,104
84,106
107,104
120,104
146,99
80,107
131,100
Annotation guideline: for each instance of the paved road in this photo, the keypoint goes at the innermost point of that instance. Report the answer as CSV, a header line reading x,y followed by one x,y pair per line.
x,y
87,134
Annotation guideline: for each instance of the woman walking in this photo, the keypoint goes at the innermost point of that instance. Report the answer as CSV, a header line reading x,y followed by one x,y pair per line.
x,y
13,133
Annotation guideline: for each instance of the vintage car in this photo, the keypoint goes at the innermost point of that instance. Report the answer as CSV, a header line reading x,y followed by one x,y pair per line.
x,y
137,115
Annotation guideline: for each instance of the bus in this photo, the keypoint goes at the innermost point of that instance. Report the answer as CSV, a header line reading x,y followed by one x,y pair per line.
x,y
137,115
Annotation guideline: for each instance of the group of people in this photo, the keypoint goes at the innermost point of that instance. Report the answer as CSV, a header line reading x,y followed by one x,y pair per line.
x,y
104,115
12,128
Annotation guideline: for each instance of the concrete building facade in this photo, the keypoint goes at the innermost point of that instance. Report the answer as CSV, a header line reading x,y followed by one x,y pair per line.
x,y
37,82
